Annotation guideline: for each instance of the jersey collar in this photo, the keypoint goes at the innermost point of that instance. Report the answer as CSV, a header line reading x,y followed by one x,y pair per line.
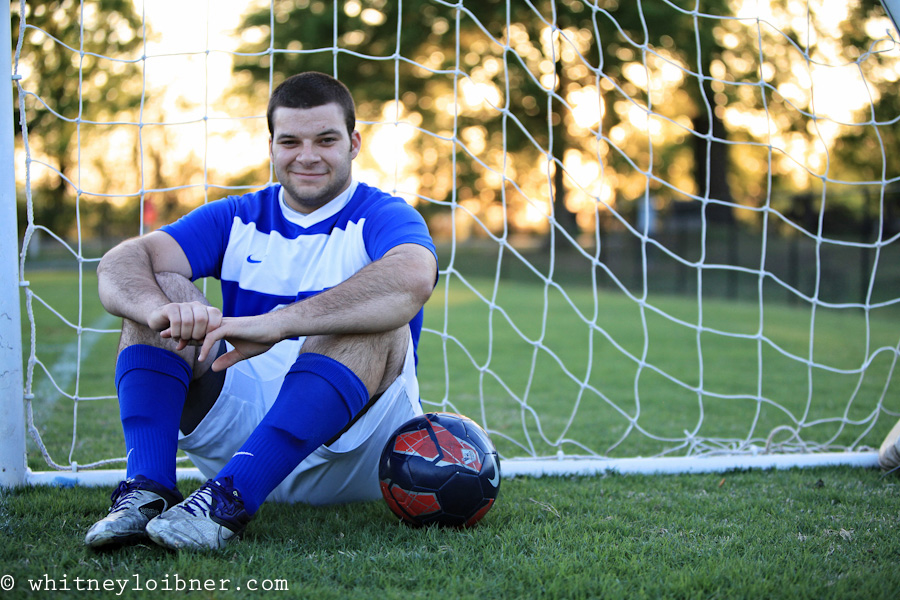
x,y
321,213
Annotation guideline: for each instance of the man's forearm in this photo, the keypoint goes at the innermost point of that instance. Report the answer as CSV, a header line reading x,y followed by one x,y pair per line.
x,y
374,300
382,296
127,284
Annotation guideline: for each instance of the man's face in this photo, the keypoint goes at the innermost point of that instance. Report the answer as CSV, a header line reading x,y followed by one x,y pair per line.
x,y
312,154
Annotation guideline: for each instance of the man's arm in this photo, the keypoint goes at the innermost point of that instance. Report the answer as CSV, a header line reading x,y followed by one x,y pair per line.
x,y
128,288
381,296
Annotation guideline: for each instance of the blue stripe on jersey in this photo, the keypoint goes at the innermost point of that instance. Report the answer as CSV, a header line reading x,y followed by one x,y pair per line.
x,y
236,303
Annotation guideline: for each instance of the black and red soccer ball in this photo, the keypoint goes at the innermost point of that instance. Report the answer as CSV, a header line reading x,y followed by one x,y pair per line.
x,y
440,468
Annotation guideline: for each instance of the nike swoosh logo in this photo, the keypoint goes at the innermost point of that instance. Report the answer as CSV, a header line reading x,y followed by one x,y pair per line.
x,y
251,260
495,480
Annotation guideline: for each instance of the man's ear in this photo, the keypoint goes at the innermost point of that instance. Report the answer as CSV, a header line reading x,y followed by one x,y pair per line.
x,y
355,143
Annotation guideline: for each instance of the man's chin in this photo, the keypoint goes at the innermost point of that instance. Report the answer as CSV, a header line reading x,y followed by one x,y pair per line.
x,y
306,199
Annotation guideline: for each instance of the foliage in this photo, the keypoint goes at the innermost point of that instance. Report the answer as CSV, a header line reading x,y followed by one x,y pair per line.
x,y
497,96
515,71
494,74
74,85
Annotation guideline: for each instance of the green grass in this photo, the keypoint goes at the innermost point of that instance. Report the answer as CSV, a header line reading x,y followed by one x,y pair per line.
x,y
650,373
544,371
815,533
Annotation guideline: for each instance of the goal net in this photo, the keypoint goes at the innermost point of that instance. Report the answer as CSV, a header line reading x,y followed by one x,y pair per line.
x,y
667,229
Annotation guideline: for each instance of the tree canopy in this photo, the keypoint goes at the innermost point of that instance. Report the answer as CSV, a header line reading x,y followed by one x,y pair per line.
x,y
75,84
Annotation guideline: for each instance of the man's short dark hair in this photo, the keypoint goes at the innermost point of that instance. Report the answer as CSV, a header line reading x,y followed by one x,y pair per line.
x,y
309,90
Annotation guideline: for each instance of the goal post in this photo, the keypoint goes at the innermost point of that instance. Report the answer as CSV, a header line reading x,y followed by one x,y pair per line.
x,y
13,467
661,251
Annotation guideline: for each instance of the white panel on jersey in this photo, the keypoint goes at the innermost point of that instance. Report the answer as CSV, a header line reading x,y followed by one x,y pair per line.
x,y
254,259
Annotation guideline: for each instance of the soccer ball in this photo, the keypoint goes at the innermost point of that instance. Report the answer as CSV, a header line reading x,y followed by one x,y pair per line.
x,y
440,468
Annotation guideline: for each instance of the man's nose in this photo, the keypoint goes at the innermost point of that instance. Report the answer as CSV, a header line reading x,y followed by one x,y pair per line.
x,y
307,154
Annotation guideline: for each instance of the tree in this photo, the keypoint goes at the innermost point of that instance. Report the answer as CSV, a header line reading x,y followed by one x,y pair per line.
x,y
522,60
74,84
866,153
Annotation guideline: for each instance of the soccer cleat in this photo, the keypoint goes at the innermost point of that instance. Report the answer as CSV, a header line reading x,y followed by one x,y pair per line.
x,y
889,453
134,503
206,520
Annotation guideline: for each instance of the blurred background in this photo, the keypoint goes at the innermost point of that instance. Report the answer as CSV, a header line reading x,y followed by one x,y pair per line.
x,y
660,139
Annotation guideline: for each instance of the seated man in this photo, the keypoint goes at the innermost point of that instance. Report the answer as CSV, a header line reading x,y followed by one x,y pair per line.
x,y
291,391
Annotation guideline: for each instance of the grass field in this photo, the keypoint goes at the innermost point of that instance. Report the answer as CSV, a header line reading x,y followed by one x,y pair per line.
x,y
600,373
581,373
818,533
815,533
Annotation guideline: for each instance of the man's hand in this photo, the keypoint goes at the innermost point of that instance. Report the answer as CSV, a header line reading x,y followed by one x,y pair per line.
x,y
250,336
196,324
187,323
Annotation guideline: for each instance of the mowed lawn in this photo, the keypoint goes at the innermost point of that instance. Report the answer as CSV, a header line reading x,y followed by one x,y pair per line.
x,y
552,370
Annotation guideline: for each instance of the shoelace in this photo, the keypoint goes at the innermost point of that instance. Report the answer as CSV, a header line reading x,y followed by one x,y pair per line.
x,y
122,496
202,499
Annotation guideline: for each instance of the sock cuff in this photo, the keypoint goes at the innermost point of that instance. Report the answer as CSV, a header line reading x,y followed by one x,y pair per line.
x,y
337,374
141,356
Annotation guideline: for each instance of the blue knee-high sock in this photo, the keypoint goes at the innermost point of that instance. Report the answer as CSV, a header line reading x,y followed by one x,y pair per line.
x,y
152,386
319,396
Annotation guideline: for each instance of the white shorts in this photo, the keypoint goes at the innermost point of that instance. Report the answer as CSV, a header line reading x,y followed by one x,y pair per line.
x,y
345,471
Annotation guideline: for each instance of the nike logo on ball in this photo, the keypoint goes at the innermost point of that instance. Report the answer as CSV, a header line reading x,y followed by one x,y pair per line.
x,y
495,480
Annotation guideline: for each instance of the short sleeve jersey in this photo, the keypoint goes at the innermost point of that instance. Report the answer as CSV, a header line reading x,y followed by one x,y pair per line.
x,y
267,255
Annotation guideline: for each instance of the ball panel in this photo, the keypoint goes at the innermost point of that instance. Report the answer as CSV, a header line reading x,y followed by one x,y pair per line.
x,y
392,504
417,443
490,476
455,451
478,435
481,512
461,494
410,505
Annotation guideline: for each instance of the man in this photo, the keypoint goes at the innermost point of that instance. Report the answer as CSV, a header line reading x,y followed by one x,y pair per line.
x,y
291,391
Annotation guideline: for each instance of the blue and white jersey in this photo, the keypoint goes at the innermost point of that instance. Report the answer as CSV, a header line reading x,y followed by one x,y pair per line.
x,y
267,255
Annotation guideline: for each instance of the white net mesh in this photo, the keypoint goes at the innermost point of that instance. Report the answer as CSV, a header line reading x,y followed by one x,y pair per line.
x,y
665,228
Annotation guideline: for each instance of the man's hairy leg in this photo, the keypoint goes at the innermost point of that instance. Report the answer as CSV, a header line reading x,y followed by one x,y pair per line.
x,y
178,289
331,382
377,359
152,380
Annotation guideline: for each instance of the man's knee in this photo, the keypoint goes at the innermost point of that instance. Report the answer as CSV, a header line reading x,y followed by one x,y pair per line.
x,y
376,358
178,289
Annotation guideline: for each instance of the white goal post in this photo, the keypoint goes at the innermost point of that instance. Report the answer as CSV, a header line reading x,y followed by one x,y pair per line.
x,y
13,467
660,252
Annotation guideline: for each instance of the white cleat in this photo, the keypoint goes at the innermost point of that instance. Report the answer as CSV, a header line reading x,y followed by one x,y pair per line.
x,y
207,519
134,503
